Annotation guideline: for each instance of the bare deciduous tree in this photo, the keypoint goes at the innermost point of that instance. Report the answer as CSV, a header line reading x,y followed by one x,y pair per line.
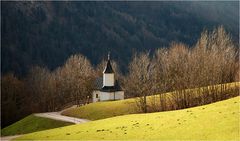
x,y
79,76
213,60
138,81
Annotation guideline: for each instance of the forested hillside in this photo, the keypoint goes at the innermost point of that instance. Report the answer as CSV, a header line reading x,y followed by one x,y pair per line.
x,y
174,68
47,33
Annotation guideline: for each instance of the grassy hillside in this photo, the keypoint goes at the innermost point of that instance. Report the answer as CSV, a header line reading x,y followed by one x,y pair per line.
x,y
101,110
31,124
217,121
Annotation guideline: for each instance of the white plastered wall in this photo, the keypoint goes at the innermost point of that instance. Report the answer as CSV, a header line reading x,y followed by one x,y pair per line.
x,y
94,98
108,79
119,95
105,96
110,95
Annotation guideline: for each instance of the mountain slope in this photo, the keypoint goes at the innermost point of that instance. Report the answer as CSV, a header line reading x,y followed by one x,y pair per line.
x,y
47,33
217,121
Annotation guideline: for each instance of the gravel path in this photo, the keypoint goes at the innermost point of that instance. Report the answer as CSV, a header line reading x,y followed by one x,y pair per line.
x,y
8,138
58,116
51,115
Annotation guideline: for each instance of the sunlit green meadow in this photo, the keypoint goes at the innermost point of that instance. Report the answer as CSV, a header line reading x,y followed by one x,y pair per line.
x,y
217,121
31,124
107,109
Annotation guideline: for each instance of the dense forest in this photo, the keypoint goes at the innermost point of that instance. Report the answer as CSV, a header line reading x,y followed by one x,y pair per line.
x,y
212,61
47,33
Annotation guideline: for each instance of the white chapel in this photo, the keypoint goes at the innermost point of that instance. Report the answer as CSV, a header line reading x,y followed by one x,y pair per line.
x,y
107,87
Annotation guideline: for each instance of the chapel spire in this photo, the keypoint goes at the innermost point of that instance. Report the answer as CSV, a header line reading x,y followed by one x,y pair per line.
x,y
108,55
108,68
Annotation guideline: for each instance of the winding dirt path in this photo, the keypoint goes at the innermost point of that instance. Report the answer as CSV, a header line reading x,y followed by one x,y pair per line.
x,y
8,138
58,116
51,115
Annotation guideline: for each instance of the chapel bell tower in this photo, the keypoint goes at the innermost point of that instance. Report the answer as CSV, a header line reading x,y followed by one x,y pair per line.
x,y
108,74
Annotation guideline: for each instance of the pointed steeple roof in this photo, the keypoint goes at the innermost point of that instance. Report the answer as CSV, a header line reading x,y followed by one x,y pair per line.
x,y
108,68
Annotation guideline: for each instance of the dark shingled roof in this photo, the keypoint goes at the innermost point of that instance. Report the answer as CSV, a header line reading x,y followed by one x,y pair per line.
x,y
114,88
108,68
99,86
98,83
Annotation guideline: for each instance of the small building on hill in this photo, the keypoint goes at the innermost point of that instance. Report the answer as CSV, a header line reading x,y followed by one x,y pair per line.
x,y
107,87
